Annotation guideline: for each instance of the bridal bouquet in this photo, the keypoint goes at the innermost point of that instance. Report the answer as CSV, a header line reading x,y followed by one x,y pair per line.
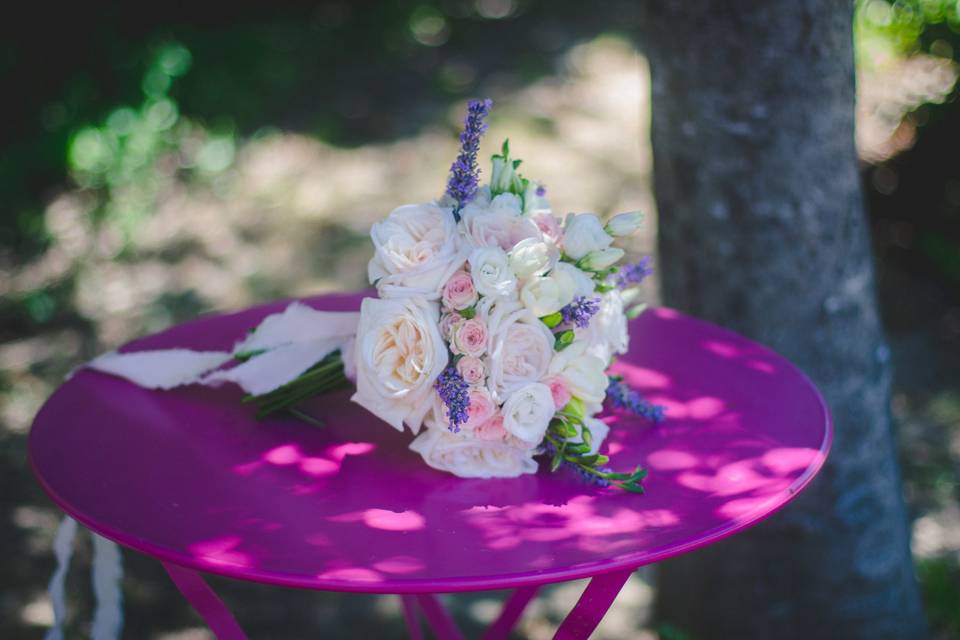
x,y
490,338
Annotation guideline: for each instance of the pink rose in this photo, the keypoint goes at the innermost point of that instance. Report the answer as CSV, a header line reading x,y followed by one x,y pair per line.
x,y
492,429
459,292
447,322
482,408
471,369
470,338
549,226
559,391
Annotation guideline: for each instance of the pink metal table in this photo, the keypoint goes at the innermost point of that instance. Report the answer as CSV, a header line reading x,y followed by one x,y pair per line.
x,y
189,477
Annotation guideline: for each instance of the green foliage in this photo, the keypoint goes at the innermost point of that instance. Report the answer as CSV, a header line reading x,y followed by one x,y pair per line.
x,y
940,582
905,27
118,158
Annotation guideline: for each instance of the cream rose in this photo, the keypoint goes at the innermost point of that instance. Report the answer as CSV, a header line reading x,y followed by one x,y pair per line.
x,y
399,354
527,412
582,234
584,373
497,225
416,250
607,334
468,457
520,349
491,272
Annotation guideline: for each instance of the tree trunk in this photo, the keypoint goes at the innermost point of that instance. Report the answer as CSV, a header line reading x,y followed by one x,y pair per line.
x,y
762,229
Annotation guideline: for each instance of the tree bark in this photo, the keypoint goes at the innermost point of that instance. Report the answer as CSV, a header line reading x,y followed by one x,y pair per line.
x,y
762,229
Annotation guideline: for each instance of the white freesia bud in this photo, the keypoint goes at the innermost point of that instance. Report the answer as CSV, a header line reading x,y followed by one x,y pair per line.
x,y
584,285
601,259
532,257
544,295
582,234
491,272
624,224
584,374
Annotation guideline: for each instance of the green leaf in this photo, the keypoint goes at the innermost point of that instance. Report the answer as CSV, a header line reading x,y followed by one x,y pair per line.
x,y
635,311
578,448
555,462
563,429
552,320
586,435
469,313
632,488
243,356
575,409
564,339
639,474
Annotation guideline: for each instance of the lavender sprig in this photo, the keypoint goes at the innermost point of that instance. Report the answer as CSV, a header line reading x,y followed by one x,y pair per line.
x,y
464,172
580,311
591,467
635,273
621,396
453,390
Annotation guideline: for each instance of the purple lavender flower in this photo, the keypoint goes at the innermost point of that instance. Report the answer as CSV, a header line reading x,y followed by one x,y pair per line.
x,y
580,311
635,273
541,191
464,173
453,390
589,477
621,396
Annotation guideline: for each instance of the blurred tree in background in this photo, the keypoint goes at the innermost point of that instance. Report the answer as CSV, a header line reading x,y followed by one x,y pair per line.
x,y
762,229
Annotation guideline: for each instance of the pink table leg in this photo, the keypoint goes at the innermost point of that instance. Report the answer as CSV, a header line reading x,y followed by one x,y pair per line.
x,y
512,610
592,606
410,616
438,618
205,602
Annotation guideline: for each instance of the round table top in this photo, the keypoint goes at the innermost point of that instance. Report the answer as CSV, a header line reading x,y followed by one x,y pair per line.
x,y
190,477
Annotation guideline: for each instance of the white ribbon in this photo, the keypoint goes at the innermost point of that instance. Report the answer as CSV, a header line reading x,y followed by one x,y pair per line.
x,y
107,574
290,342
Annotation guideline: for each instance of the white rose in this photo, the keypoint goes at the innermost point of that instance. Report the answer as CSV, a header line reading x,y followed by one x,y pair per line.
x,y
467,456
416,249
490,269
399,354
544,295
527,412
607,333
584,284
499,224
584,373
532,257
582,234
520,350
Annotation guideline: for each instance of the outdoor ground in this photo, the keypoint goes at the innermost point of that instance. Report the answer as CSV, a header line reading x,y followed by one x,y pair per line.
x,y
227,220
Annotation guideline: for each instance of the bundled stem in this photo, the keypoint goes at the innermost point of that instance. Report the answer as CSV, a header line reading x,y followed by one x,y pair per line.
x,y
325,376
